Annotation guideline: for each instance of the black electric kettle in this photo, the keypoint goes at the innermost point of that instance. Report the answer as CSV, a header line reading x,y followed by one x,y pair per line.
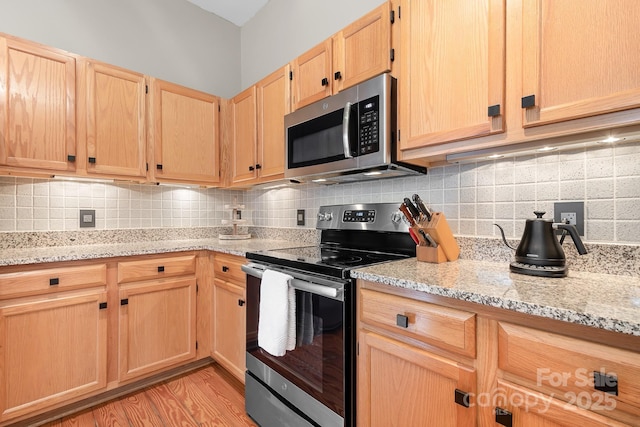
x,y
539,252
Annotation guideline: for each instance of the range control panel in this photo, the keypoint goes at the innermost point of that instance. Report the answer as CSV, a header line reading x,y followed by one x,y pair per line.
x,y
368,215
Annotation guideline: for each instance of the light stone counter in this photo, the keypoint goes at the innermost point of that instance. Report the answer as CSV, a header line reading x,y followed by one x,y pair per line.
x,y
605,301
36,255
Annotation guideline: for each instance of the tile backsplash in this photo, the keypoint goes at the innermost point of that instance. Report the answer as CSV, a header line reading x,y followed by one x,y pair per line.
x,y
473,196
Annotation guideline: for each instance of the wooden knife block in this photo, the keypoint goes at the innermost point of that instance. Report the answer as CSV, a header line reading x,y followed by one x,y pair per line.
x,y
447,248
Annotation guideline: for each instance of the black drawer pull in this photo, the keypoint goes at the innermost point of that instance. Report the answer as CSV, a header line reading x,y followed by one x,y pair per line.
x,y
54,281
251,168
160,268
325,82
71,158
462,398
529,101
159,166
225,268
605,383
102,305
258,166
402,320
504,417
92,159
124,301
494,110
240,302
337,75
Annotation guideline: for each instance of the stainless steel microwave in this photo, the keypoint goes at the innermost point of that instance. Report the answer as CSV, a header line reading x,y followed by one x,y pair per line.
x,y
350,136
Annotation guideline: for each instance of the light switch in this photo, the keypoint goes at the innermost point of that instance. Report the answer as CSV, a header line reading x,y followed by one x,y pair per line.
x,y
87,218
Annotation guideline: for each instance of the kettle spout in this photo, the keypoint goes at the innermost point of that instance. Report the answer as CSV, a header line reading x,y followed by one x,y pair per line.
x,y
504,239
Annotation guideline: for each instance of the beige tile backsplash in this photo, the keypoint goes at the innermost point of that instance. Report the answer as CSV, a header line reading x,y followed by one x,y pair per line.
x,y
473,196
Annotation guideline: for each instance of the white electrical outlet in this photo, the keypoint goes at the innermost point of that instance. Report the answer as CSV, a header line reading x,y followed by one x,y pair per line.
x,y
569,216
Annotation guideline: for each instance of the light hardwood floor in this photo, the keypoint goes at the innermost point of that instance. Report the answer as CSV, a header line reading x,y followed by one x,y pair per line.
x,y
205,397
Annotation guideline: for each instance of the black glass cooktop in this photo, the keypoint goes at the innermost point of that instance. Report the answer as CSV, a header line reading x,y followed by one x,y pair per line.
x,y
323,260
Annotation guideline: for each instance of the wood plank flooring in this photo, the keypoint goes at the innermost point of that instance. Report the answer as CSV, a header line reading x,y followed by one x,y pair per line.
x,y
205,397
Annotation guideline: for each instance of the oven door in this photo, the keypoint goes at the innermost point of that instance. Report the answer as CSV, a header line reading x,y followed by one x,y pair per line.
x,y
317,376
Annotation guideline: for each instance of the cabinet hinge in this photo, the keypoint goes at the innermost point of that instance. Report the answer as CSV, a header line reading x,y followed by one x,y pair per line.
x,y
147,166
393,55
399,14
290,75
357,349
196,345
398,135
197,288
219,108
392,16
146,88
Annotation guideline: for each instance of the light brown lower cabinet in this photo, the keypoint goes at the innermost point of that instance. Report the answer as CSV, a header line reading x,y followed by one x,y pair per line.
x,y
422,357
229,314
400,385
53,349
157,326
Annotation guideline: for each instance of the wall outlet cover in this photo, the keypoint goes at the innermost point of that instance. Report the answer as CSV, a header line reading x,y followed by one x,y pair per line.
x,y
300,217
87,218
572,211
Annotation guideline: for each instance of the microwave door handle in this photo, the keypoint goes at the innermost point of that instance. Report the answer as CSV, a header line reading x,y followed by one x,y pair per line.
x,y
345,130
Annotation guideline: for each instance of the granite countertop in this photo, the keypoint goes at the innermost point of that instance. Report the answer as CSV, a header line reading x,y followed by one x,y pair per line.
x,y
39,255
602,301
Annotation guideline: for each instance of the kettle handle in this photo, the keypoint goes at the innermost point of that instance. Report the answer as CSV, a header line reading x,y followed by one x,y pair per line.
x,y
573,231
504,239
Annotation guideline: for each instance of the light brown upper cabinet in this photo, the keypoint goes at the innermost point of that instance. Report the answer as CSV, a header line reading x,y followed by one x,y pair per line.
x,y
258,129
358,52
114,121
580,58
183,134
37,107
452,72
244,128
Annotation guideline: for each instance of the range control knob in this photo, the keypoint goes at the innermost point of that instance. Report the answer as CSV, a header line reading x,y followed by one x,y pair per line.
x,y
396,217
325,216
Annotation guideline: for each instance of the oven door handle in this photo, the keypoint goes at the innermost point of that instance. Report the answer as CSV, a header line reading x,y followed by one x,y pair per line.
x,y
303,285
346,118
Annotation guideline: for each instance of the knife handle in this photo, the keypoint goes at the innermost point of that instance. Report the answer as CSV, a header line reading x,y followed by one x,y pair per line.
x,y
415,213
422,207
403,208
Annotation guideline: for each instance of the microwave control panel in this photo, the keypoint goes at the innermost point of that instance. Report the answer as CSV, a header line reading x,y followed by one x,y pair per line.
x,y
369,125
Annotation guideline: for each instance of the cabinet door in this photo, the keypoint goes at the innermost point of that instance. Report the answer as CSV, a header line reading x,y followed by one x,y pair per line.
x,y
521,407
400,385
312,75
52,349
157,326
37,106
229,327
452,73
273,104
580,58
115,121
244,141
184,134
363,49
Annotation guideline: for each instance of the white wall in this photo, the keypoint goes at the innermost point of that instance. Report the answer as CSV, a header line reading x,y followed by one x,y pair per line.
x,y
170,39
284,29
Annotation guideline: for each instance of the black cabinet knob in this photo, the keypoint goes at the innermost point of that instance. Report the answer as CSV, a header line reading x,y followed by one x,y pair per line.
x,y
240,302
225,268
102,305
159,167
504,417
258,166
494,110
402,321
337,75
71,158
325,82
92,159
529,101
160,268
124,301
251,168
605,383
54,281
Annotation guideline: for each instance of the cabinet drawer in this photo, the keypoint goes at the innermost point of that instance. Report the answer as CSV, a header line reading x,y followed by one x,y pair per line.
x,y
131,271
578,371
228,267
52,280
443,327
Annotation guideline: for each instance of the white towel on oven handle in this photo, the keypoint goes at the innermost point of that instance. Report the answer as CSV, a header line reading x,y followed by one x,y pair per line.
x,y
277,321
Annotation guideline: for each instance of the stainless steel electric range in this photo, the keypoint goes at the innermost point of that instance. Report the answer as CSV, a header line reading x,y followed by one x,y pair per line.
x,y
314,384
